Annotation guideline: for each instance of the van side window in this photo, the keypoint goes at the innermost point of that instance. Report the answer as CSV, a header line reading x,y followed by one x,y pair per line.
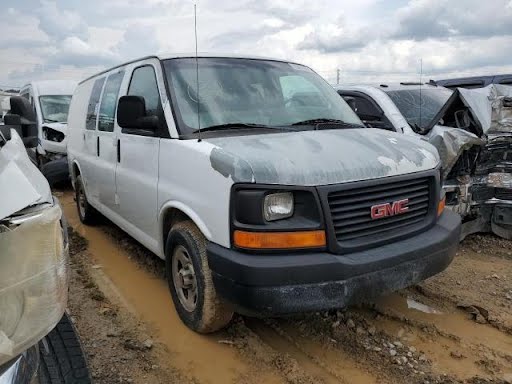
x,y
144,84
109,102
90,120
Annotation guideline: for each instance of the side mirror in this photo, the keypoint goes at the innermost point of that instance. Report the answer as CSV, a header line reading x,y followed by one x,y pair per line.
x,y
11,119
131,114
30,142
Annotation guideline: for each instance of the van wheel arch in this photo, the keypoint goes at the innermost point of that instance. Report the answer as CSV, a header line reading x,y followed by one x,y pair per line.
x,y
171,217
75,172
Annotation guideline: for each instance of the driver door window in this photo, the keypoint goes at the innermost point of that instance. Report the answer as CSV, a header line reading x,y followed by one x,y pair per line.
x,y
144,84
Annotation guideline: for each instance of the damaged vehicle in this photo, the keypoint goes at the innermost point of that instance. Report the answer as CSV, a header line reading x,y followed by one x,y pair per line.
x,y
471,129
258,185
475,81
38,343
50,103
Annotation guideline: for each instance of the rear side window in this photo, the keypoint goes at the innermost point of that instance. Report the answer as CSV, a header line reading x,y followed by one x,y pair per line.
x,y
109,102
92,111
144,84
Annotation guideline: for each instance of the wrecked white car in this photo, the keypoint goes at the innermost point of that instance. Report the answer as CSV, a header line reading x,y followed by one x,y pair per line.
x,y
472,130
50,100
50,106
258,185
37,339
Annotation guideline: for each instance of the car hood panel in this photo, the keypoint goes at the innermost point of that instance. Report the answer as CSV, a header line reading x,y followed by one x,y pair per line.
x,y
320,157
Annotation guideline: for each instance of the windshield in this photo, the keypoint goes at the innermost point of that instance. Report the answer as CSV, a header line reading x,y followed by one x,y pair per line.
x,y
256,92
55,108
408,101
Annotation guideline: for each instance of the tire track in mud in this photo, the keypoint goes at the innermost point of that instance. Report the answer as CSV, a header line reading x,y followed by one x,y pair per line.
x,y
453,342
328,363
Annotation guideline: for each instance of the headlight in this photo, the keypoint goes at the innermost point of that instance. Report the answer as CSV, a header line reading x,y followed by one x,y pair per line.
x,y
33,279
53,135
278,206
272,218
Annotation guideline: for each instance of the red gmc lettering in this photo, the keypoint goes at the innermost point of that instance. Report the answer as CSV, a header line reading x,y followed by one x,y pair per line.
x,y
389,209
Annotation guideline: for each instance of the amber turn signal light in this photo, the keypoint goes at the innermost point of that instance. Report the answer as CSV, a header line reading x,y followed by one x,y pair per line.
x,y
279,240
441,205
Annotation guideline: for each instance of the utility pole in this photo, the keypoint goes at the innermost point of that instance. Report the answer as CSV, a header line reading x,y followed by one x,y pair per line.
x,y
337,76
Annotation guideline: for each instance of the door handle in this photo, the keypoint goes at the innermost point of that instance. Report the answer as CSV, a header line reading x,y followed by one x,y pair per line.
x,y
97,145
118,150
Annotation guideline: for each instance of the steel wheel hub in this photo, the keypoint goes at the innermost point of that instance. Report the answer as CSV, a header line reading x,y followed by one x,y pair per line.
x,y
184,278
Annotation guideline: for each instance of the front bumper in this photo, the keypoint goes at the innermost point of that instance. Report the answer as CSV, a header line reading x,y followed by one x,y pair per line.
x,y
283,284
22,369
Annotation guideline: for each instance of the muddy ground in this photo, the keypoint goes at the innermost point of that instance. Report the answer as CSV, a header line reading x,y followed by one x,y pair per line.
x,y
453,328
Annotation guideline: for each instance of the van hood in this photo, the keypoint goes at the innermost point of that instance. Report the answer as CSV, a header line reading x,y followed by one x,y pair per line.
x,y
311,158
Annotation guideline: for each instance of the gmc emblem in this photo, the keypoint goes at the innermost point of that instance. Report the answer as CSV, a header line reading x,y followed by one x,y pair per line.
x,y
389,209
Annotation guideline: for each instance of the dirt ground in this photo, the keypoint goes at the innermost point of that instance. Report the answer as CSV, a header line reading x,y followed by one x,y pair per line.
x,y
453,328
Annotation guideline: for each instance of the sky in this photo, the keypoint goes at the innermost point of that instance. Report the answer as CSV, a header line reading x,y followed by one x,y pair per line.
x,y
366,40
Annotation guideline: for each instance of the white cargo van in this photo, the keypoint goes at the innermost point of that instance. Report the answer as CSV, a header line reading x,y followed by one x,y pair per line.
x,y
253,179
50,99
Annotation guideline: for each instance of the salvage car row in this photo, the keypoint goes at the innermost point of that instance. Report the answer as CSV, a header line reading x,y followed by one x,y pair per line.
x,y
264,191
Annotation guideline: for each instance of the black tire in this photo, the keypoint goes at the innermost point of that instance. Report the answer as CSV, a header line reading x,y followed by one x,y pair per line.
x,y
86,213
62,358
211,312
56,171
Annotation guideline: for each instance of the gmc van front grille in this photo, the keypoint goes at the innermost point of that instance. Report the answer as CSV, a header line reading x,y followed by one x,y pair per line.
x,y
503,194
367,214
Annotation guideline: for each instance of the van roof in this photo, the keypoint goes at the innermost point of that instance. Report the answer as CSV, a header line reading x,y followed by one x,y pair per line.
x,y
167,56
53,87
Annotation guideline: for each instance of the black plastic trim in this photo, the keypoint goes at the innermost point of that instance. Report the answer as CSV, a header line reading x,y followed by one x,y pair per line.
x,y
262,284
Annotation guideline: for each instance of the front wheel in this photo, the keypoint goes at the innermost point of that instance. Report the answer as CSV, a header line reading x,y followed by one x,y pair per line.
x,y
190,281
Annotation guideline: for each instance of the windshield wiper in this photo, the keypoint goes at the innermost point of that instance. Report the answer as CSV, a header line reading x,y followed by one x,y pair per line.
x,y
226,126
46,120
328,121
